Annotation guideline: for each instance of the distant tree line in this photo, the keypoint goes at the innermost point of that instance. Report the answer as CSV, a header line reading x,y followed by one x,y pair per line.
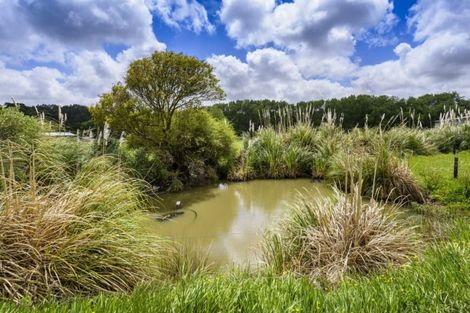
x,y
78,116
350,112
353,111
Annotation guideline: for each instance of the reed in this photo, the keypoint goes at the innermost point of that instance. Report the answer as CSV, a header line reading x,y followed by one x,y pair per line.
x,y
77,237
327,238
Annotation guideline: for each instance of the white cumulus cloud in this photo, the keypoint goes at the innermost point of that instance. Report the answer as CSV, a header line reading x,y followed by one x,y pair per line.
x,y
271,74
440,60
182,13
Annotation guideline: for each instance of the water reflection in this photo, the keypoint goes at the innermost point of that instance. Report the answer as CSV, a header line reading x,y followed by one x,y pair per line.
x,y
231,218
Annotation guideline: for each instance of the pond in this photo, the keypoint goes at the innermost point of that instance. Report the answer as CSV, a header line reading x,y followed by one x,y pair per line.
x,y
227,221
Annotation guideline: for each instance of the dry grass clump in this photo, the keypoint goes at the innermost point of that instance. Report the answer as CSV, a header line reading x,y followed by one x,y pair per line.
x,y
73,238
326,238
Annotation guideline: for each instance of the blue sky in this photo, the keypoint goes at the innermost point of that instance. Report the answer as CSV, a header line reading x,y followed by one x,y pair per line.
x,y
203,45
71,51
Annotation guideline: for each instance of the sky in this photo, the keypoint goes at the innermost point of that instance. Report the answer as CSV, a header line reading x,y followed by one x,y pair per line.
x,y
72,51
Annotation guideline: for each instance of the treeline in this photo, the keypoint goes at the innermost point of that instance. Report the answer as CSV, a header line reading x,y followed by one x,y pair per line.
x,y
350,112
78,116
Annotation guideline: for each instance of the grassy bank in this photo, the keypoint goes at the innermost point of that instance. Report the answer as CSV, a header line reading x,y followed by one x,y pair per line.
x,y
437,282
71,238
434,173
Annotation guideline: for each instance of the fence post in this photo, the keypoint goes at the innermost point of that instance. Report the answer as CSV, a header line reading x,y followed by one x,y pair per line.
x,y
456,163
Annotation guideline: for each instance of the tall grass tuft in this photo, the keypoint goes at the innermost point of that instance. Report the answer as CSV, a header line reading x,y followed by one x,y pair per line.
x,y
327,238
80,237
370,154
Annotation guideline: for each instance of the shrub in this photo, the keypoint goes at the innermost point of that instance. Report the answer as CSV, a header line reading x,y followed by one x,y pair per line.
x,y
73,238
448,136
267,154
384,172
61,158
329,142
145,165
17,127
326,238
242,168
201,146
197,149
302,135
409,141
272,154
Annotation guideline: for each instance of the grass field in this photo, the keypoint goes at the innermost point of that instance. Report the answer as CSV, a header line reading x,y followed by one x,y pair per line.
x,y
437,281
435,175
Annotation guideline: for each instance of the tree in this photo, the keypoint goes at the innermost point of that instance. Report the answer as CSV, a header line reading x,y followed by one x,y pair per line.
x,y
166,82
17,127
170,140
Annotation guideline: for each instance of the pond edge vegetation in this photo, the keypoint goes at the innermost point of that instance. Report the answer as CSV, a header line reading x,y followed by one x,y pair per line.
x,y
70,209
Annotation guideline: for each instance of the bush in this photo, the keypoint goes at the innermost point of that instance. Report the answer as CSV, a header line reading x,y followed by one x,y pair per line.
x,y
384,172
197,149
272,154
448,136
77,237
267,154
201,146
326,238
17,127
61,158
330,141
406,140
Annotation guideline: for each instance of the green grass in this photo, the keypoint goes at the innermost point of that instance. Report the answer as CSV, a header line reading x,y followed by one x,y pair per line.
x,y
435,174
437,283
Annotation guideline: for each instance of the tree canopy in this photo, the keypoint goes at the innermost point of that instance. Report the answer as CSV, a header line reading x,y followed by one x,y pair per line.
x,y
167,81
170,139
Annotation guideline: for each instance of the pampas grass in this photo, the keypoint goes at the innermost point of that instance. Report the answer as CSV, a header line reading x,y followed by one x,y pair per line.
x,y
78,237
327,238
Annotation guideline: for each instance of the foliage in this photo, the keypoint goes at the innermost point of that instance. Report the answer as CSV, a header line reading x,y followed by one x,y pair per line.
x,y
437,282
385,174
326,238
435,174
59,159
166,82
448,137
76,237
353,111
407,140
328,152
198,149
17,127
271,154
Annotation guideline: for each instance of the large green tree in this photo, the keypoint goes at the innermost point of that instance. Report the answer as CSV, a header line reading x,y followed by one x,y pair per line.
x,y
166,82
170,140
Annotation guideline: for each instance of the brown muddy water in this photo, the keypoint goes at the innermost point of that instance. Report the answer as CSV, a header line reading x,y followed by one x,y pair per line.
x,y
227,221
